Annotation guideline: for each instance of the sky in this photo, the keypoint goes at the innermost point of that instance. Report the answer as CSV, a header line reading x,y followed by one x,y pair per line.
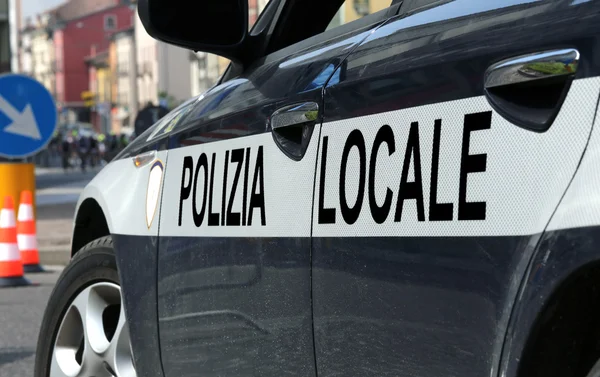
x,y
30,8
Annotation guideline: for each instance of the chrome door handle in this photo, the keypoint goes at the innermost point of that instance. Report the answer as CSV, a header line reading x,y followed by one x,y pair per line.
x,y
529,90
294,115
292,128
541,65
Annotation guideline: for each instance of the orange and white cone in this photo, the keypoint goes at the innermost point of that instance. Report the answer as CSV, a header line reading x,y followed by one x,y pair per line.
x,y
11,267
26,234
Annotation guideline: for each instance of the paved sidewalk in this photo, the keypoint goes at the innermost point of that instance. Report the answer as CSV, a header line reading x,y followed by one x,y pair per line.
x,y
55,213
54,230
55,177
45,171
65,193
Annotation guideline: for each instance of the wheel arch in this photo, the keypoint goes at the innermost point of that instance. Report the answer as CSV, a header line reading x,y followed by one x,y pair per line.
x,y
555,326
564,339
90,224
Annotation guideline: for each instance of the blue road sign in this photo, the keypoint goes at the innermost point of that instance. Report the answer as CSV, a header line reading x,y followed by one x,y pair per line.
x,y
28,116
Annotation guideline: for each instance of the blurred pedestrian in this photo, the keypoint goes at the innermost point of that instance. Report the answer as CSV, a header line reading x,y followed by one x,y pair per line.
x,y
113,143
66,153
123,142
84,151
93,150
101,148
53,148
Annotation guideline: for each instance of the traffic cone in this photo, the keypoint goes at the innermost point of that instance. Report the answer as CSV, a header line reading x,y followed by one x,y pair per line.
x,y
11,267
26,234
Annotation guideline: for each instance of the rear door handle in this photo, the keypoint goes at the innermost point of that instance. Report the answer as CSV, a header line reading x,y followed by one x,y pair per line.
x,y
292,127
529,90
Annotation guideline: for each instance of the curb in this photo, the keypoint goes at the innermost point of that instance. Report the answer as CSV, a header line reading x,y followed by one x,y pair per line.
x,y
49,268
53,243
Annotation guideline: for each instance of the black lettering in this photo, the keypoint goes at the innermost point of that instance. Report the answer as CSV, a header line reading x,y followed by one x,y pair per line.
x,y
474,163
223,199
355,139
411,190
233,218
326,215
184,193
257,199
213,217
380,213
245,195
437,211
199,216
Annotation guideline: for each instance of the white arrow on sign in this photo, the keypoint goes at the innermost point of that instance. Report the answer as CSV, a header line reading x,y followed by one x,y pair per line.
x,y
23,123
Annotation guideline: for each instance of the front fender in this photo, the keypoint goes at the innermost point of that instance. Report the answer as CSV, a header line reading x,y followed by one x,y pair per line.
x,y
120,189
123,190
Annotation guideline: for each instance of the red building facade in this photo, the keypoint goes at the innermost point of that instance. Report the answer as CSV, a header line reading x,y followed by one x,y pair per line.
x,y
73,41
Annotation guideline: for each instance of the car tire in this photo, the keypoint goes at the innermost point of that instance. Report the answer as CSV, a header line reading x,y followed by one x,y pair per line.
x,y
84,331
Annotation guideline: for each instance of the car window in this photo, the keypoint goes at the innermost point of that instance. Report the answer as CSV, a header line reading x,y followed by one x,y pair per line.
x,y
352,10
168,122
333,15
159,129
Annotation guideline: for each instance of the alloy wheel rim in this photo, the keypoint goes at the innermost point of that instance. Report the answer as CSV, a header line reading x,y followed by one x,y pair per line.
x,y
93,337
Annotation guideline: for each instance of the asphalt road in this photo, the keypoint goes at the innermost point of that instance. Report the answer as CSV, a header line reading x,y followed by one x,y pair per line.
x,y
21,311
57,177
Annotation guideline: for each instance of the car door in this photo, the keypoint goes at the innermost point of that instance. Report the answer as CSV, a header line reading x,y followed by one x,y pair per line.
x,y
234,263
445,147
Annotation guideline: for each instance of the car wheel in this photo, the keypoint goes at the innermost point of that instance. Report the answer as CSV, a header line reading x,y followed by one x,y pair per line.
x,y
84,331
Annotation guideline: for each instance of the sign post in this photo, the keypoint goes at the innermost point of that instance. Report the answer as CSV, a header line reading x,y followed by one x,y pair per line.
x,y
28,119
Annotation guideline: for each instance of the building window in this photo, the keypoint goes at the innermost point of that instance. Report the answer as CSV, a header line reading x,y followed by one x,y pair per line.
x,y
123,99
122,63
110,22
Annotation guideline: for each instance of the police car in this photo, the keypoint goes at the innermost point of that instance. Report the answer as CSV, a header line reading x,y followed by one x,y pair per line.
x,y
414,192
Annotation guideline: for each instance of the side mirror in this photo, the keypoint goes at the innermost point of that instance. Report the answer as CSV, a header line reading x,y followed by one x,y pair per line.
x,y
214,26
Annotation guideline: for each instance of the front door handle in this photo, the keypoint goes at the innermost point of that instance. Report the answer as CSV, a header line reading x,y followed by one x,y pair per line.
x,y
292,127
529,90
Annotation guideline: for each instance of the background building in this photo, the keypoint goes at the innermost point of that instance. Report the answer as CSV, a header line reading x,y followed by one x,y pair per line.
x,y
25,51
204,71
5,58
354,9
77,26
36,52
163,70
99,94
125,105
